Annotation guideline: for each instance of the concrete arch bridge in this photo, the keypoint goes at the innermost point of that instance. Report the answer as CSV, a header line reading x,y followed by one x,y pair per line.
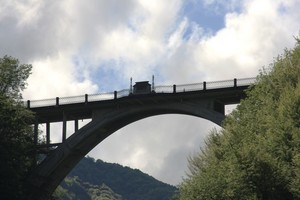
x,y
112,111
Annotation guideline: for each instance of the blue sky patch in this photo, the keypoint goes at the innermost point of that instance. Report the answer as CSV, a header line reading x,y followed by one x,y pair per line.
x,y
204,16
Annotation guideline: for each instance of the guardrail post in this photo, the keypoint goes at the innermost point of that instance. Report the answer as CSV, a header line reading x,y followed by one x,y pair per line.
x,y
174,88
235,82
204,85
57,101
86,100
115,94
28,103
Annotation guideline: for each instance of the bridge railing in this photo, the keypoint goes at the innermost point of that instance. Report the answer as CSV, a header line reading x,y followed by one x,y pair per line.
x,y
72,99
123,93
245,81
126,92
101,97
163,89
219,84
40,103
189,87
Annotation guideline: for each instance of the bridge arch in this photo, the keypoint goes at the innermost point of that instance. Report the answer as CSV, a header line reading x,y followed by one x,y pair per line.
x,y
158,145
48,175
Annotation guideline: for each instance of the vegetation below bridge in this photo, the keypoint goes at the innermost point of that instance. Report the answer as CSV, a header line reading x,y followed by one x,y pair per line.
x,y
95,179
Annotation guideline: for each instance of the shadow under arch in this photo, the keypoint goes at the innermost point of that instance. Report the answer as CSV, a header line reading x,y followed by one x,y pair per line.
x,y
48,175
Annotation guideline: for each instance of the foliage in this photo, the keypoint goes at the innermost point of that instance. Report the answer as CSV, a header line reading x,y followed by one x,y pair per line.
x,y
100,180
257,154
74,188
61,193
16,136
103,193
13,76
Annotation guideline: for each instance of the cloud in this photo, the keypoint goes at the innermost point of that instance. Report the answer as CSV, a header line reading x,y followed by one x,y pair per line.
x,y
51,80
31,30
249,40
77,47
138,46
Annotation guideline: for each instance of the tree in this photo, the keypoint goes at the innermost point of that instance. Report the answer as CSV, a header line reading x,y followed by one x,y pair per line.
x,y
257,153
16,135
13,77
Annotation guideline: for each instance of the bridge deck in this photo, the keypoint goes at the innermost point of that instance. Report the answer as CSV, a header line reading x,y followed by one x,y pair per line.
x,y
77,111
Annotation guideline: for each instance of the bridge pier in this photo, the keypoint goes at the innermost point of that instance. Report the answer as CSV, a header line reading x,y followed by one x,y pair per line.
x,y
64,127
45,146
75,125
47,133
36,131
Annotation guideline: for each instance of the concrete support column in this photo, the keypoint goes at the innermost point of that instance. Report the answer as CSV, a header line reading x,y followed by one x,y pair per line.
x,y
36,131
48,134
35,138
76,125
64,128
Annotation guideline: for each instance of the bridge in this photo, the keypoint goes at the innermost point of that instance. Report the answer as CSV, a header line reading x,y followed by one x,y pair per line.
x,y
110,112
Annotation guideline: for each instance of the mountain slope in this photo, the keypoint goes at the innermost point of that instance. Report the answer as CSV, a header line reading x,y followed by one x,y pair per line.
x,y
92,179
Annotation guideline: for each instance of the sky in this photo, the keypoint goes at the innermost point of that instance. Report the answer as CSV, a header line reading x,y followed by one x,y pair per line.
x,y
78,47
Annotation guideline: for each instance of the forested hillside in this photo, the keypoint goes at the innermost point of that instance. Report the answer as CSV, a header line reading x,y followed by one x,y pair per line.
x,y
95,179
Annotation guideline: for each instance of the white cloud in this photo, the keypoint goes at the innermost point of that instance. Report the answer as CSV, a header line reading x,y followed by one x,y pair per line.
x,y
160,17
249,40
50,80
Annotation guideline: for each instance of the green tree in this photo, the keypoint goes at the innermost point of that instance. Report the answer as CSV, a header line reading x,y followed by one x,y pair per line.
x,y
16,135
257,153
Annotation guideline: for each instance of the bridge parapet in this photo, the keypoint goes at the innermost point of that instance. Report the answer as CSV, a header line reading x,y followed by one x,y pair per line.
x,y
126,92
